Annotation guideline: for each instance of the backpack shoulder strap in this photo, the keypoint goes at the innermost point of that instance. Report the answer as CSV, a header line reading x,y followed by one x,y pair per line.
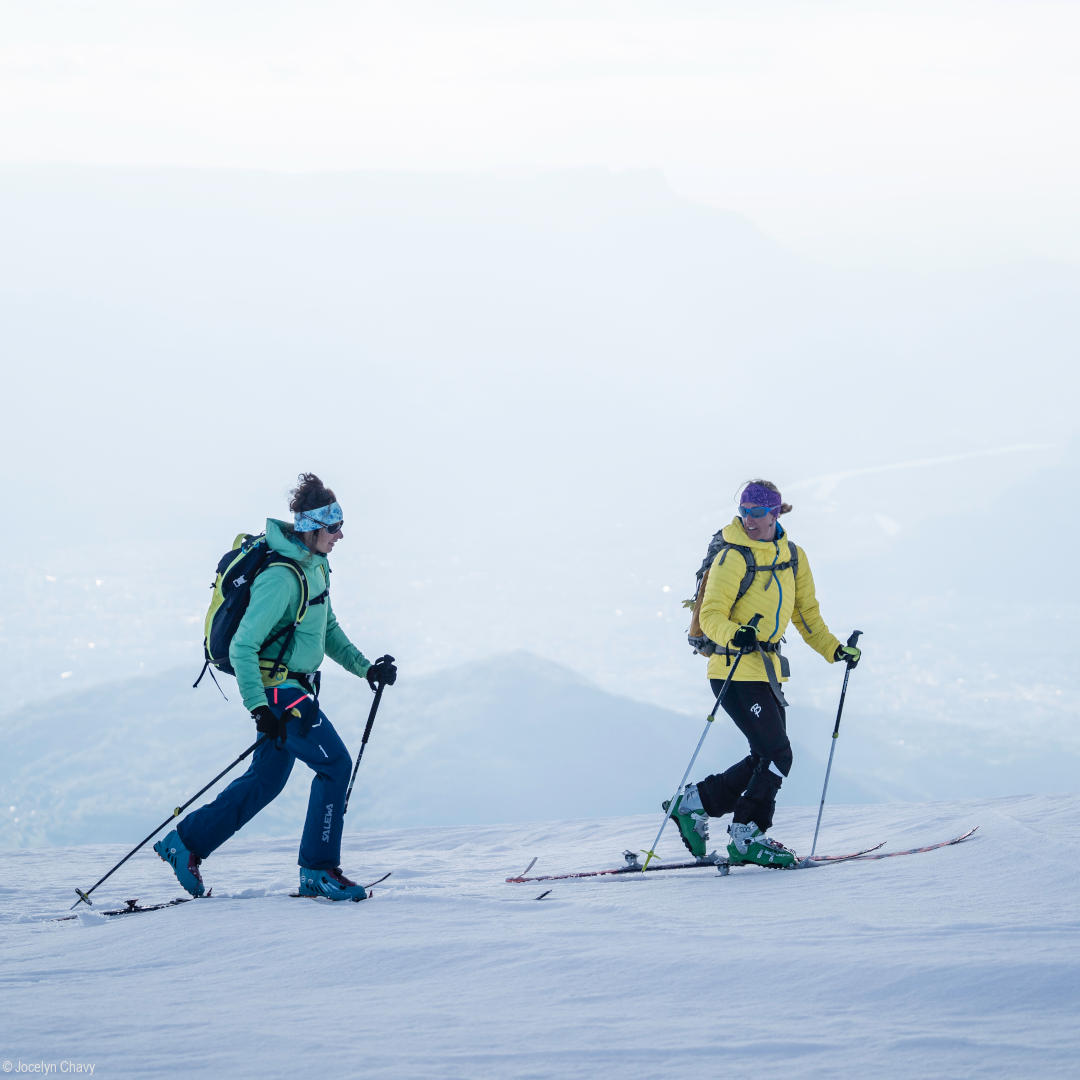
x,y
715,544
285,634
719,546
751,566
277,559
287,631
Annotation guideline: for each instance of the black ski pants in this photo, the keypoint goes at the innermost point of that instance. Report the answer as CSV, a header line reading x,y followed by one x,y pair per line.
x,y
748,789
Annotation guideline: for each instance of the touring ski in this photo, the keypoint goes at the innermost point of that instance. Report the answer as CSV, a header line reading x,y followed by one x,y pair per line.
x,y
633,866
650,869
908,851
133,907
842,858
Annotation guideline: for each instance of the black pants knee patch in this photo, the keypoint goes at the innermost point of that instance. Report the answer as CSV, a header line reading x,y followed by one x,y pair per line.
x,y
758,803
720,792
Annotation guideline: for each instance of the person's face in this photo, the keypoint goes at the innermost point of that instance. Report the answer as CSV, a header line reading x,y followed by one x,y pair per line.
x,y
758,528
325,539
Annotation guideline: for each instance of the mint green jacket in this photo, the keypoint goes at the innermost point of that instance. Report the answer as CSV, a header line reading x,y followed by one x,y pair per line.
x,y
275,597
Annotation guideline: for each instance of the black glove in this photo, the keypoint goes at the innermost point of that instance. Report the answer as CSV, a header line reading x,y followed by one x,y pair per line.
x,y
745,638
381,673
849,654
268,723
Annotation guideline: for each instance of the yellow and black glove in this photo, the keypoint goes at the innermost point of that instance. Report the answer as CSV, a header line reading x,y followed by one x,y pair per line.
x,y
849,654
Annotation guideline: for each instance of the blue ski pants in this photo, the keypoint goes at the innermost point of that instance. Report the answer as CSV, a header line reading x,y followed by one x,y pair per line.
x,y
310,737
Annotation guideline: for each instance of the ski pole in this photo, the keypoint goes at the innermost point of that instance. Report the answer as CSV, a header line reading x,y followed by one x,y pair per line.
x,y
367,735
832,749
651,853
85,896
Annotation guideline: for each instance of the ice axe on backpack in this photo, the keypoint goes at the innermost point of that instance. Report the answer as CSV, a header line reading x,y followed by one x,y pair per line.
x,y
651,853
367,733
852,641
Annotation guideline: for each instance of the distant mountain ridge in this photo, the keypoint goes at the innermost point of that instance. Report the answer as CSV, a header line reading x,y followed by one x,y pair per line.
x,y
513,739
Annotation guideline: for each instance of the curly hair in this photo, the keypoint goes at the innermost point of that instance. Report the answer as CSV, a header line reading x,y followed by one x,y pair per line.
x,y
310,493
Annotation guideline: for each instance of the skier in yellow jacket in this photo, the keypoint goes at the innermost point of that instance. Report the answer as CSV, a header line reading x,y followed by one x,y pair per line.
x,y
756,572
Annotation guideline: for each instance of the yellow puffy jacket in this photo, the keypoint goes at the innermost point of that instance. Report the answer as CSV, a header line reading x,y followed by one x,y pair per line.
x,y
776,596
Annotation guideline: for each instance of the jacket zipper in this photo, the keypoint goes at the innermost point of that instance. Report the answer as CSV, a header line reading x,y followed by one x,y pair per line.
x,y
779,590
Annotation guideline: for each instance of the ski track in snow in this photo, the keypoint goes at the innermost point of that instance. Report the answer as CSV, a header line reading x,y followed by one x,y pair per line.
x,y
953,963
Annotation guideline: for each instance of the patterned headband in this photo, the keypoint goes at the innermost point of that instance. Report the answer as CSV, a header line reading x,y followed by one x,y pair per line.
x,y
319,518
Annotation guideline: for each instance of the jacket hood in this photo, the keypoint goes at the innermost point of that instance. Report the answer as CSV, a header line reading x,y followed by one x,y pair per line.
x,y
282,539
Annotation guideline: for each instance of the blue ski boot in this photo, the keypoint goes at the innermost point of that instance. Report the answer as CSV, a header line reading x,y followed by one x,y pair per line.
x,y
184,863
332,884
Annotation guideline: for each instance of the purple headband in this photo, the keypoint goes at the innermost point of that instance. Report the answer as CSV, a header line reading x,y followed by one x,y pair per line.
x,y
757,495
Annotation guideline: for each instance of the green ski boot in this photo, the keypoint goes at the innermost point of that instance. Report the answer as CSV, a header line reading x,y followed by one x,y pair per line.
x,y
750,845
692,820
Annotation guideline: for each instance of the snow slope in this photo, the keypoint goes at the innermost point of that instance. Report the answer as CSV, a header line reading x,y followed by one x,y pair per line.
x,y
962,962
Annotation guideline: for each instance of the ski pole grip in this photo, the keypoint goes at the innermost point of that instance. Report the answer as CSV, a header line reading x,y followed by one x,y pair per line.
x,y
854,639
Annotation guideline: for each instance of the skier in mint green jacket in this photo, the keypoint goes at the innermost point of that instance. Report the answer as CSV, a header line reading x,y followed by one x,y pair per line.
x,y
283,701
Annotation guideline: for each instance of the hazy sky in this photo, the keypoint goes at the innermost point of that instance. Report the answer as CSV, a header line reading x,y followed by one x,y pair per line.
x,y
913,132
517,366
537,386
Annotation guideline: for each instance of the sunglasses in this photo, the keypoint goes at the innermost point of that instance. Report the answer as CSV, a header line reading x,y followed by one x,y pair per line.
x,y
335,528
757,511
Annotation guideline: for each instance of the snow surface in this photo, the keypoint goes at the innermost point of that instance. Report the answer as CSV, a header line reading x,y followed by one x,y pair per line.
x,y
962,962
